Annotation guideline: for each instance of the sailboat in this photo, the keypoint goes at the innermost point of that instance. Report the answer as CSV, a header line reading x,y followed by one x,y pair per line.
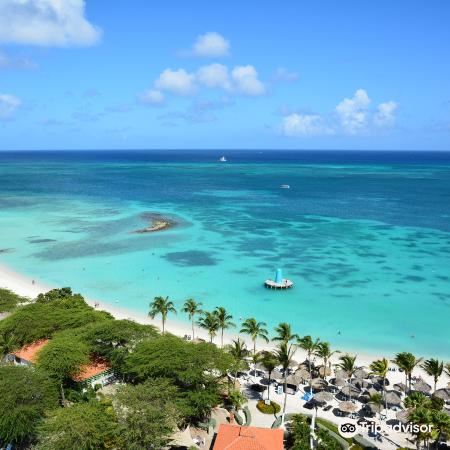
x,y
223,159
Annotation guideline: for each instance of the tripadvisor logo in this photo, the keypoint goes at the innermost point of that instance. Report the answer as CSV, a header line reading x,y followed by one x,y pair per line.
x,y
350,429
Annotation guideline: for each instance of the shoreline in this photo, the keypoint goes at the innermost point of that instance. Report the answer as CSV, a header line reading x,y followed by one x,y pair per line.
x,y
23,285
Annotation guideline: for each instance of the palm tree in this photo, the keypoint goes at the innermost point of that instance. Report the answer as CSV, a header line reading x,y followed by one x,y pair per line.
x,y
163,306
447,369
421,416
284,333
238,350
407,362
324,351
192,308
224,321
434,368
347,364
210,322
441,425
380,368
417,400
255,330
284,355
306,343
377,400
269,362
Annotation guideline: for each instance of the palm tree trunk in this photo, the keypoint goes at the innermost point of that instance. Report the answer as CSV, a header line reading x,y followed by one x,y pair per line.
x,y
221,339
285,396
268,386
163,323
254,347
193,328
350,388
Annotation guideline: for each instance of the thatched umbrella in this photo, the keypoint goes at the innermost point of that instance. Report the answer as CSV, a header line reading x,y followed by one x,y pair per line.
x,y
324,371
183,439
294,379
350,390
303,374
323,396
276,375
293,363
400,387
361,373
371,391
360,383
347,407
341,373
444,394
421,386
318,383
403,416
338,381
260,366
392,398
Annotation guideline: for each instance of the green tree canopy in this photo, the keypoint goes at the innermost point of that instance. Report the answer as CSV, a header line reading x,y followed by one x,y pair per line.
x,y
147,413
114,339
24,396
9,300
44,318
83,426
62,359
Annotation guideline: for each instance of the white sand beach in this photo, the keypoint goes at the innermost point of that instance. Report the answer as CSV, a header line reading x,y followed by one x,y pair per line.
x,y
27,287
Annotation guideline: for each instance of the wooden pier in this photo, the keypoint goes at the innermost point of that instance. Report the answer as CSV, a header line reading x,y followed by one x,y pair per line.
x,y
284,284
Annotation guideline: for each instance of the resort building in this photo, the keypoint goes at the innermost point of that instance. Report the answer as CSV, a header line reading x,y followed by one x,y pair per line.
x,y
27,355
98,372
235,437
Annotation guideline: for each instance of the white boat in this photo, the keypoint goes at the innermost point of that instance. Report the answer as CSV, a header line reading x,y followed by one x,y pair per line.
x,y
223,159
285,186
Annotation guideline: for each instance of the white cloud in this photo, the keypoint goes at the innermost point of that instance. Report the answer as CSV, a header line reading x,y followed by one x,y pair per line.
x,y
246,81
178,81
8,106
353,112
283,74
385,115
214,76
46,23
152,97
352,116
211,44
304,125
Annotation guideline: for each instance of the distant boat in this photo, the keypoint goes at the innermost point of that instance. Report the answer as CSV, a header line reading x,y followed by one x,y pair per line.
x,y
285,186
223,159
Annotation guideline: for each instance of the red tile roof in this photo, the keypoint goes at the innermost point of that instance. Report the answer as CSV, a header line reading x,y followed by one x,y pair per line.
x,y
29,352
235,437
95,368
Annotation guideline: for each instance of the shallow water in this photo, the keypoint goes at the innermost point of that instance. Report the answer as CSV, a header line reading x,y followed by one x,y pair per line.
x,y
366,239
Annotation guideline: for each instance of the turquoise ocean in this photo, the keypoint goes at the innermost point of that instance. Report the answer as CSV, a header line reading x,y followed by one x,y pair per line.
x,y
365,236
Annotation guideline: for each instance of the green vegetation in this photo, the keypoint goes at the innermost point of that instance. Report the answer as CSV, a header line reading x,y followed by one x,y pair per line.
x,y
148,413
9,300
168,382
273,408
171,382
24,397
83,426
300,436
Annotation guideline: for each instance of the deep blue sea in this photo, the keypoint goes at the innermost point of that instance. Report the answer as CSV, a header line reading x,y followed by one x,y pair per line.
x,y
365,236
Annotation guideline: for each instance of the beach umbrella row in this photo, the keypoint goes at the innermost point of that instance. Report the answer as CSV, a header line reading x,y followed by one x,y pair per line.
x,y
421,386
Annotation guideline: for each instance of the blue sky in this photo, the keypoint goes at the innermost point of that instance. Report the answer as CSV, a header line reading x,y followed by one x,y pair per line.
x,y
256,74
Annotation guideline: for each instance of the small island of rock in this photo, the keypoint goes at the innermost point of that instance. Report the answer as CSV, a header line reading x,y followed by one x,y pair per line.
x,y
157,223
